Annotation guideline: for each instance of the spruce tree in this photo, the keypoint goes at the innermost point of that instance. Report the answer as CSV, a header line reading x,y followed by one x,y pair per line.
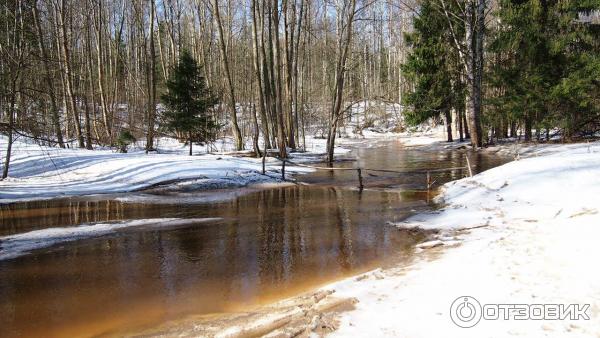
x,y
547,66
431,69
187,103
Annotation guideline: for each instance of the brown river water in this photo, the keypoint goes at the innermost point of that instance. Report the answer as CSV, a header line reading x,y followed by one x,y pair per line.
x,y
267,244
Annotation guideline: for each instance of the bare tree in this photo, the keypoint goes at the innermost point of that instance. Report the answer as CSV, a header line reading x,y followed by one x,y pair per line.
x,y
15,54
47,75
346,13
237,135
281,64
151,81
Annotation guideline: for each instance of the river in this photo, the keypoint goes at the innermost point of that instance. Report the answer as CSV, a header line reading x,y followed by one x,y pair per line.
x,y
260,246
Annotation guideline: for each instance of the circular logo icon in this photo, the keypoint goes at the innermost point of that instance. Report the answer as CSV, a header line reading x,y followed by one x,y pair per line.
x,y
465,311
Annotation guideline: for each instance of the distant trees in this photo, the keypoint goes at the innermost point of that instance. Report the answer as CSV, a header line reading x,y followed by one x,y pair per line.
x,y
187,103
537,70
235,129
431,68
546,69
77,73
286,68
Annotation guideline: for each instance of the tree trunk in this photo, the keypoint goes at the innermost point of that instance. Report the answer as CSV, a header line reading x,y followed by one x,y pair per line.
x,y
256,132
275,51
466,125
459,117
474,42
257,69
11,124
47,77
295,70
267,73
288,51
448,116
528,127
342,50
101,88
151,76
237,135
64,47
504,127
513,129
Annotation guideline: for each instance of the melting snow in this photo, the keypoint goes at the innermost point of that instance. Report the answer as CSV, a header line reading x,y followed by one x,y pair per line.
x,y
21,244
528,234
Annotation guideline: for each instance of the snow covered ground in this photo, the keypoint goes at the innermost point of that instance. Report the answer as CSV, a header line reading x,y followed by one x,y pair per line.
x,y
523,233
526,232
40,172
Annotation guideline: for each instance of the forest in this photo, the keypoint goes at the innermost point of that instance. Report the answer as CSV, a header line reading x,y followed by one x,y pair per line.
x,y
299,168
86,73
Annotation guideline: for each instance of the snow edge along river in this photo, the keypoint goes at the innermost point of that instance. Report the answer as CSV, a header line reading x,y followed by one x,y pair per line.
x,y
522,233
41,172
17,245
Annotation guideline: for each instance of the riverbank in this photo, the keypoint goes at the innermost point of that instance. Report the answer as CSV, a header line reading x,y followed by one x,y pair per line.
x,y
522,233
42,172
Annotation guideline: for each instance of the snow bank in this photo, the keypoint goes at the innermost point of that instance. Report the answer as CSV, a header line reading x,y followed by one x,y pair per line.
x,y
424,136
523,233
42,172
21,244
39,172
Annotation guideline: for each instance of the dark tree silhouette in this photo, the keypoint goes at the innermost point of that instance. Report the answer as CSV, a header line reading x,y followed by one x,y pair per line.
x,y
187,103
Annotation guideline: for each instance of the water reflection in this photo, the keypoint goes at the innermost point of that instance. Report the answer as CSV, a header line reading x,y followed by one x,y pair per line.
x,y
393,156
271,243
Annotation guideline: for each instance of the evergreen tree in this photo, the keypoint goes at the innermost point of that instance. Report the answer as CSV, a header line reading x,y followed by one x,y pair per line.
x,y
430,68
527,69
541,73
547,68
187,103
575,96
